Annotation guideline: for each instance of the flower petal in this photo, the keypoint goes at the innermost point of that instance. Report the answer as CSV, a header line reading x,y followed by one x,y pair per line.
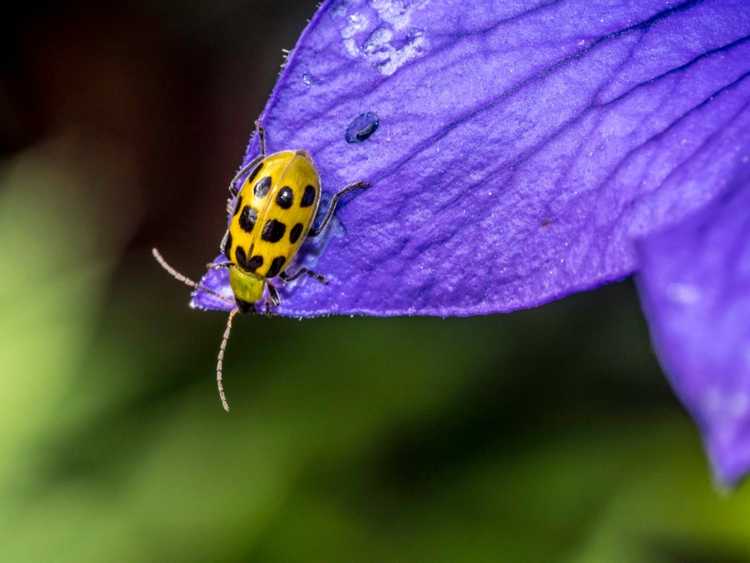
x,y
695,285
215,293
518,149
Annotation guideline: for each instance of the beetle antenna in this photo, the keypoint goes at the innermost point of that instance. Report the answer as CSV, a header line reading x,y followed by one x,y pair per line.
x,y
220,360
182,278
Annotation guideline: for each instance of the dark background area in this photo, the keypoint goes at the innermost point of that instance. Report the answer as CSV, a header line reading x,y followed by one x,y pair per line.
x,y
546,435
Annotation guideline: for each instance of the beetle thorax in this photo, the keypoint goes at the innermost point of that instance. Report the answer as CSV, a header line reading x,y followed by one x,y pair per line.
x,y
246,287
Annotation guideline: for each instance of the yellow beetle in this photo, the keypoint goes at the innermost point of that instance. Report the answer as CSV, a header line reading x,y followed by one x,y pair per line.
x,y
272,214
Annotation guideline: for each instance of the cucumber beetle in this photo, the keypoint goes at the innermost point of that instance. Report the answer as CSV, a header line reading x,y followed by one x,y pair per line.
x,y
272,211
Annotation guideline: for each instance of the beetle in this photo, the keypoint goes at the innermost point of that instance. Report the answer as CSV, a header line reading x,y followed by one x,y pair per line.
x,y
271,215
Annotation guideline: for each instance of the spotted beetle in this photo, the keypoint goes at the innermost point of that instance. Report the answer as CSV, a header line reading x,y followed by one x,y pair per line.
x,y
272,213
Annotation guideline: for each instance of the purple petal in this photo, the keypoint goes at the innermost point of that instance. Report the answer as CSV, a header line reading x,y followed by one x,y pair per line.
x,y
695,285
216,295
520,148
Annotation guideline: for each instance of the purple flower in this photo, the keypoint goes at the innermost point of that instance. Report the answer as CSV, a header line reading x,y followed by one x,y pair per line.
x,y
695,285
519,153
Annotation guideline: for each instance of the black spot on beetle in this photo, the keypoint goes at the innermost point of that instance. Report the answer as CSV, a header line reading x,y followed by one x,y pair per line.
x,y
254,174
295,233
248,218
285,197
273,230
308,198
262,187
275,267
228,247
254,263
241,257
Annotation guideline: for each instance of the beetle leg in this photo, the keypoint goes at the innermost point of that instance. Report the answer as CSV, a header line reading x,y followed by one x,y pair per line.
x,y
261,131
314,232
223,243
273,299
274,295
302,272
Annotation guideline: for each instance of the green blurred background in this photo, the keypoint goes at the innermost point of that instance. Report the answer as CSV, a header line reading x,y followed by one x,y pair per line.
x,y
546,435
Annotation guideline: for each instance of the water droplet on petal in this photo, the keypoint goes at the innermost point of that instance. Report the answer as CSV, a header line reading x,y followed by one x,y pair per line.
x,y
361,127
307,79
